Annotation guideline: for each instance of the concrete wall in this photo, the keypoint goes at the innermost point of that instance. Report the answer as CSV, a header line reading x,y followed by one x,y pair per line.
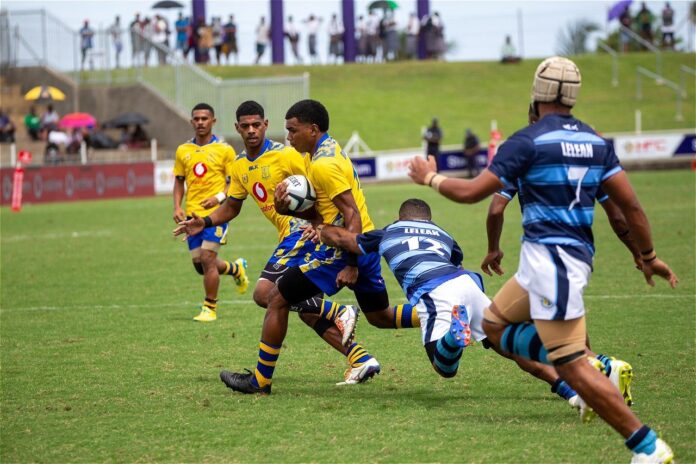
x,y
28,78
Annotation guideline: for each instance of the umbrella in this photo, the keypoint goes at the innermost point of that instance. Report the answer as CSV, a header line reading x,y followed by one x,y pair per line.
x,y
44,92
618,8
383,5
77,120
167,4
127,119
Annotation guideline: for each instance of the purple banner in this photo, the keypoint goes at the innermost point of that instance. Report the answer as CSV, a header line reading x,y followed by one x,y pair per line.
x,y
365,167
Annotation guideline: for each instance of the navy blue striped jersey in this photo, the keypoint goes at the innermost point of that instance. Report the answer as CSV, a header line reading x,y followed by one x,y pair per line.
x,y
510,192
557,164
420,254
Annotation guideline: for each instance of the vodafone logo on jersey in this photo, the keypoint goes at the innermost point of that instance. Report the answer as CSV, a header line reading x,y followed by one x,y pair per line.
x,y
259,192
199,169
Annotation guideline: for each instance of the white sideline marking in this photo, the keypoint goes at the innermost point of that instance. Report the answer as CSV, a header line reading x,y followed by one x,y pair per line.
x,y
57,236
185,304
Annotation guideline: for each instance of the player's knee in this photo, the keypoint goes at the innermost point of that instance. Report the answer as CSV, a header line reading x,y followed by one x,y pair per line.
x,y
261,297
198,266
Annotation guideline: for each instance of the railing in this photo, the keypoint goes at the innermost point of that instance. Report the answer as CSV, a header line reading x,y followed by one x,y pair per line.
x,y
648,45
614,62
683,71
679,92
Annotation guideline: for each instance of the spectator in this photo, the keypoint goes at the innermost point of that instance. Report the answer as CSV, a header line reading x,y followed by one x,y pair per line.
x,y
99,139
472,147
293,36
55,142
116,34
33,124
263,35
74,142
218,38
204,41
668,26
312,28
182,26
160,38
391,37
645,19
372,27
508,52
439,37
335,38
626,25
86,35
50,118
432,136
7,127
361,31
148,31
136,36
139,137
412,31
230,45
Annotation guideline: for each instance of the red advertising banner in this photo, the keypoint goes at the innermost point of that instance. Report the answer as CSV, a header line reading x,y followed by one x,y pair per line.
x,y
44,184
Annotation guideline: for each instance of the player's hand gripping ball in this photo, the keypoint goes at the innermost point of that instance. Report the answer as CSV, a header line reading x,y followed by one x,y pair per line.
x,y
300,193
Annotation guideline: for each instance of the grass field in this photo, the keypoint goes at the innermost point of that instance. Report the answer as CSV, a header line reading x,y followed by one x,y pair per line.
x,y
100,360
388,104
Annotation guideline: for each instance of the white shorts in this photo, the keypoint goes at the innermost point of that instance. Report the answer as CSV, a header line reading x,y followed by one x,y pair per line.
x,y
435,308
554,280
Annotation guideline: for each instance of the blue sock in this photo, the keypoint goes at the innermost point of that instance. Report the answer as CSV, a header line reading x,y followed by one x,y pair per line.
x,y
606,360
642,440
562,389
447,354
523,340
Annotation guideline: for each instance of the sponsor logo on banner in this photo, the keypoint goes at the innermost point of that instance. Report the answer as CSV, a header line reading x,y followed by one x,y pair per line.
x,y
164,177
391,167
365,167
637,147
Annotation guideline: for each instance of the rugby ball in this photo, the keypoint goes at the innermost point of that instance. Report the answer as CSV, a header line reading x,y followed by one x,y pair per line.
x,y
300,193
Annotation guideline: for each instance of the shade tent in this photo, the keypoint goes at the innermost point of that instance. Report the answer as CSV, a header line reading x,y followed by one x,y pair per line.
x,y
44,92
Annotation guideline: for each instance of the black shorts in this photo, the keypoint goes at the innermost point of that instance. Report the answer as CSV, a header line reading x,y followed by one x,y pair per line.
x,y
273,272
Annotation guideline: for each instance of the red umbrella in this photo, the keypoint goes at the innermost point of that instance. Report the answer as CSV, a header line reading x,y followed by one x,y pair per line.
x,y
77,120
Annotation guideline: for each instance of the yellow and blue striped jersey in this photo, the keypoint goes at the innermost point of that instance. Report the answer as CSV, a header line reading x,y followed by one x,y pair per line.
x,y
260,176
205,169
331,173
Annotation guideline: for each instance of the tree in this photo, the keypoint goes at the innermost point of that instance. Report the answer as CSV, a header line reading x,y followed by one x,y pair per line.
x,y
572,40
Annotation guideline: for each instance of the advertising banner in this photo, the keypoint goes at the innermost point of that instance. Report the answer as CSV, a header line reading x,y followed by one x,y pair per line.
x,y
68,183
365,167
164,177
647,146
393,167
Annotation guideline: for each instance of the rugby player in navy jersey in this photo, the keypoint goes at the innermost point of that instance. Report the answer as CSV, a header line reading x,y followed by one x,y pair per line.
x,y
558,164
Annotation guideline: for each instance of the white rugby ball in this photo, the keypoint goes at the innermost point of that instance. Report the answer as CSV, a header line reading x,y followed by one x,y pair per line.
x,y
300,192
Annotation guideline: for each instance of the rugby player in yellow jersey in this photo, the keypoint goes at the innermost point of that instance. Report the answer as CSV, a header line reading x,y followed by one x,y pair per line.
x,y
340,201
201,168
256,172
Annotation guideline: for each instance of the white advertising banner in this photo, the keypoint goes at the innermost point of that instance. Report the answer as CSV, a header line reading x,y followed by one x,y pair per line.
x,y
164,177
393,167
648,146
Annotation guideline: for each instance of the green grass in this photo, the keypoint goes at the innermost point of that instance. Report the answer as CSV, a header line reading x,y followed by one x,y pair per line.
x,y
100,360
388,104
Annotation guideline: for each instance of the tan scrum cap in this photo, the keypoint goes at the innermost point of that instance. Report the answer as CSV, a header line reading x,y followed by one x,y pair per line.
x,y
556,79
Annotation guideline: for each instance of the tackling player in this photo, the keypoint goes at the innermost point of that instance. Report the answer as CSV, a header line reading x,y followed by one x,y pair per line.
x,y
558,165
256,172
201,168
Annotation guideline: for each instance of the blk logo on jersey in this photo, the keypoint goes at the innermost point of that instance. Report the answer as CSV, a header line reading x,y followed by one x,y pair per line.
x,y
199,169
259,192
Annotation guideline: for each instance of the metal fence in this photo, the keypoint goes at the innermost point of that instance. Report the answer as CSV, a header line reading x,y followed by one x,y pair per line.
x,y
121,56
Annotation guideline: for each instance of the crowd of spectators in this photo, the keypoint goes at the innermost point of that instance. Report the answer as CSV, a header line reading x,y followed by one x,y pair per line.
x,y
379,38
645,25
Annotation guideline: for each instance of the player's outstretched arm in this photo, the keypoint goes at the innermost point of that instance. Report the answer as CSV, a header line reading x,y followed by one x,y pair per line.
x,y
458,190
225,213
339,237
494,229
178,194
620,191
620,228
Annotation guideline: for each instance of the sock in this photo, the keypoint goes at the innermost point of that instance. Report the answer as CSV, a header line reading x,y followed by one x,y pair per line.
x,y
330,310
231,269
210,304
606,360
405,316
523,340
562,389
357,355
268,355
642,440
313,305
447,354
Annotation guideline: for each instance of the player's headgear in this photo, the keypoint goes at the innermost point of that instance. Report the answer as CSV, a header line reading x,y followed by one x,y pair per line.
x,y
556,79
